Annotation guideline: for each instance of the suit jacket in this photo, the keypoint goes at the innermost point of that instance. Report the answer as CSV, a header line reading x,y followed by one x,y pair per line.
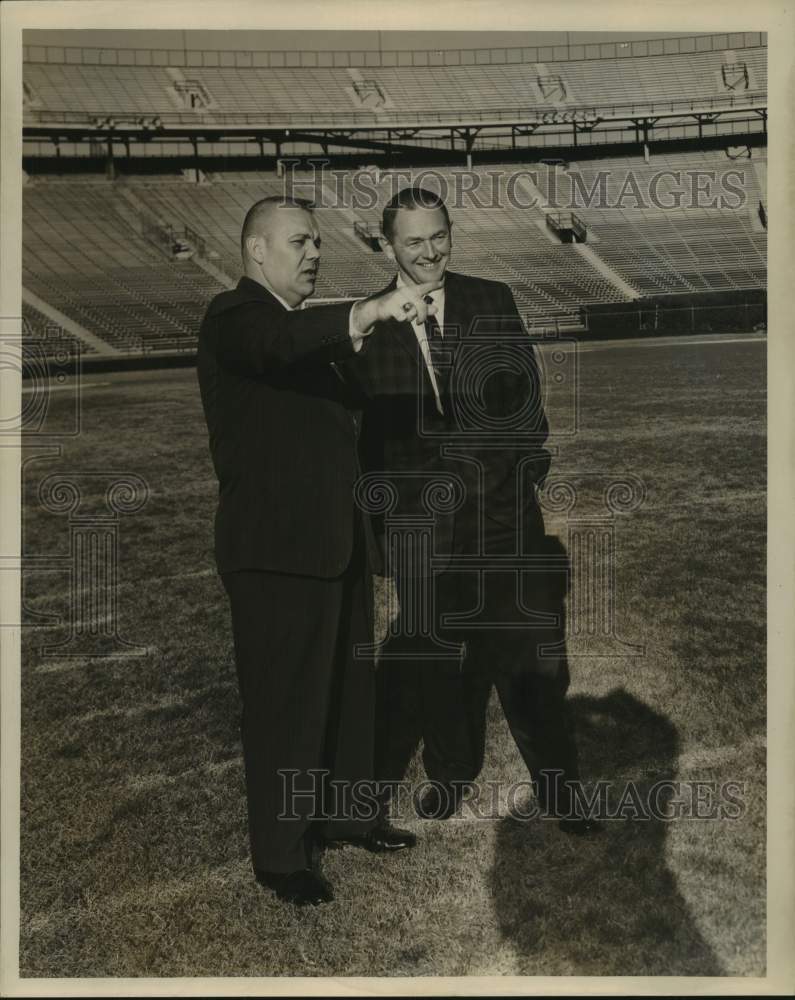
x,y
283,433
494,414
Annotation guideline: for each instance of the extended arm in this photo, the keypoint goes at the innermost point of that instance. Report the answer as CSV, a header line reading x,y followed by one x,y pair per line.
x,y
253,339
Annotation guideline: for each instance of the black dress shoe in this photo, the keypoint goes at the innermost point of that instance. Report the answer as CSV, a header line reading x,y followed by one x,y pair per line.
x,y
383,839
440,799
580,826
304,887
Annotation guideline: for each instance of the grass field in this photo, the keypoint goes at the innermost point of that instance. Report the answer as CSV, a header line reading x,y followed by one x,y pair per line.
x,y
134,845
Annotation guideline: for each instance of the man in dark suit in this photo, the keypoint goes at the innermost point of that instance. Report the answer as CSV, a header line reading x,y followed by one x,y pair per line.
x,y
290,544
456,399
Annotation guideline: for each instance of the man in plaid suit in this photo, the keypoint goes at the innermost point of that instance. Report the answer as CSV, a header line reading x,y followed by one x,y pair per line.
x,y
454,432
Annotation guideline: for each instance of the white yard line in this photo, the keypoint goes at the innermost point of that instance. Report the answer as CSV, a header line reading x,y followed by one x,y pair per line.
x,y
63,388
606,345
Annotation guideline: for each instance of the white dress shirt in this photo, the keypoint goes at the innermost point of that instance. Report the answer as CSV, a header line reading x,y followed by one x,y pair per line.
x,y
422,336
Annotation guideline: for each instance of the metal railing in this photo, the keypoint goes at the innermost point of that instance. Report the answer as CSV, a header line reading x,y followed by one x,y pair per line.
x,y
164,345
649,319
567,220
521,114
377,58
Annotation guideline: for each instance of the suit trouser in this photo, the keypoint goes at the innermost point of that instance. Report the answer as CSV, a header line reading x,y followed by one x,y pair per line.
x,y
308,706
444,702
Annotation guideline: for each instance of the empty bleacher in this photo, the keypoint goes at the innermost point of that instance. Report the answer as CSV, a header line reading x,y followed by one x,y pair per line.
x,y
216,212
81,253
86,252
657,78
96,250
100,89
668,247
423,92
48,336
550,281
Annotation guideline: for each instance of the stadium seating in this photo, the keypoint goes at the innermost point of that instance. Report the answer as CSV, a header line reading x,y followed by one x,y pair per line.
x,y
653,249
550,281
47,335
216,211
657,78
84,254
100,89
419,91
95,249
693,247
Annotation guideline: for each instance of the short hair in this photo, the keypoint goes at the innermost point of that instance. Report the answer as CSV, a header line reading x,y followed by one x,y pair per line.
x,y
263,207
410,198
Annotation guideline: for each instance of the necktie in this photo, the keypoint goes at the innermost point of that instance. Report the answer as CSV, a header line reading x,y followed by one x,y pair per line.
x,y
440,355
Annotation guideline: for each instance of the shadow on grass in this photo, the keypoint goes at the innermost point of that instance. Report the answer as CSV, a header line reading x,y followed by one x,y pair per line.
x,y
606,904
